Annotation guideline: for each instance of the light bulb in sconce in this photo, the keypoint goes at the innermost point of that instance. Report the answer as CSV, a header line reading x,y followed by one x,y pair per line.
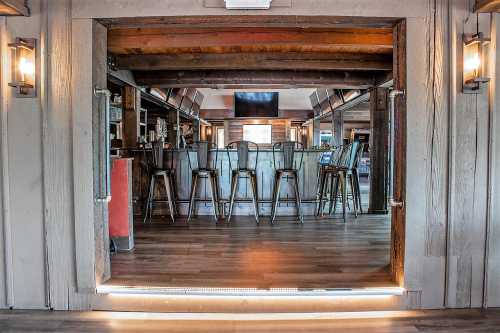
x,y
26,67
472,64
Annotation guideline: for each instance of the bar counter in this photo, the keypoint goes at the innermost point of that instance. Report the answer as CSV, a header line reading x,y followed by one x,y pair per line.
x,y
265,176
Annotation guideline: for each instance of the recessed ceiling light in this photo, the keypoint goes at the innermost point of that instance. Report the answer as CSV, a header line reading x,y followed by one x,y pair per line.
x,y
248,4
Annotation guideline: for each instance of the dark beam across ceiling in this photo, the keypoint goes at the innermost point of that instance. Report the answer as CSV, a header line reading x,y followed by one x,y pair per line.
x,y
256,61
235,78
222,21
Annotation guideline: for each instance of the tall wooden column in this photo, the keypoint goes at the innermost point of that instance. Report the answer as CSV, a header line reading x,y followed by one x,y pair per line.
x,y
379,150
338,128
131,101
172,128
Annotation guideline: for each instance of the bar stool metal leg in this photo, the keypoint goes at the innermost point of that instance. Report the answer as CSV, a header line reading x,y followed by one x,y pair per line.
x,y
253,184
322,183
168,189
276,195
214,196
192,196
234,187
343,185
297,196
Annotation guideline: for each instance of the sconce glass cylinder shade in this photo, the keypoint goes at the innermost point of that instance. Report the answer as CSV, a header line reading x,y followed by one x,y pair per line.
x,y
24,67
474,66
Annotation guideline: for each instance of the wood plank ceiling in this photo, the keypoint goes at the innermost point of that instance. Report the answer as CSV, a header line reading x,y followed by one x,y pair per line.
x,y
249,51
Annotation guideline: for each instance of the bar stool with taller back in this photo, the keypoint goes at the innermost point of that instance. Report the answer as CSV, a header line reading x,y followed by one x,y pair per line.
x,y
342,176
203,170
245,169
324,176
156,169
289,169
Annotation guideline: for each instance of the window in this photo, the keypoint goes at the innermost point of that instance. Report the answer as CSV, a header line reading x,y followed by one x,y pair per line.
x,y
293,134
220,137
326,137
258,133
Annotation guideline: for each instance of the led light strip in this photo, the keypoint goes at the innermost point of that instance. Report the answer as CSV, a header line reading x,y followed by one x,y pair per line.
x,y
248,292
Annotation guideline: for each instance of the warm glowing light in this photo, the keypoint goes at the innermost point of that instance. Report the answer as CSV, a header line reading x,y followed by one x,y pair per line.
x,y
26,67
259,316
472,64
364,293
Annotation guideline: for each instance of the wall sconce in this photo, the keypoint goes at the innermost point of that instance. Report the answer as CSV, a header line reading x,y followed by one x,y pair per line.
x,y
474,71
23,67
208,131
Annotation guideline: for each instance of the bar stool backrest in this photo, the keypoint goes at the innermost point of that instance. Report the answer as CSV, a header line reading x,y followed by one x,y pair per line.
x,y
354,154
155,159
336,155
243,149
345,156
157,154
289,148
202,149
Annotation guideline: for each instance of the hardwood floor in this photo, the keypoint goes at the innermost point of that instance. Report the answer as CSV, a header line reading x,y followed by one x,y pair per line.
x,y
321,254
456,321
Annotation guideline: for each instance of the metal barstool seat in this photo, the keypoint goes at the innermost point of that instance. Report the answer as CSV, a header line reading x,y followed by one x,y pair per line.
x,y
243,168
156,169
203,169
289,169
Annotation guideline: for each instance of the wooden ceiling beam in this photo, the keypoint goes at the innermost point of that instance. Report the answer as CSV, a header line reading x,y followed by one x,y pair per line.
x,y
487,6
256,61
224,21
14,8
196,40
223,79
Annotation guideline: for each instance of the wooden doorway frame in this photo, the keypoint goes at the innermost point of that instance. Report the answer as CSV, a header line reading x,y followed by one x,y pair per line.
x,y
398,213
398,227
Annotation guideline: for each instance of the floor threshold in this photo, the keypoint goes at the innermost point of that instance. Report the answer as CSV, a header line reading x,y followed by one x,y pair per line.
x,y
250,292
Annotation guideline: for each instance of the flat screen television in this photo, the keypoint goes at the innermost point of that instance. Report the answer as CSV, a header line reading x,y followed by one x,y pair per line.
x,y
256,104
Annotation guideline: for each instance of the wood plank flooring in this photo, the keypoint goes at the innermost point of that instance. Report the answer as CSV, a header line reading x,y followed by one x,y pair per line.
x,y
456,321
321,254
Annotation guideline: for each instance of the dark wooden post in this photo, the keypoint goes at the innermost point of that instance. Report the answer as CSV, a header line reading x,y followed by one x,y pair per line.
x,y
131,101
172,128
379,150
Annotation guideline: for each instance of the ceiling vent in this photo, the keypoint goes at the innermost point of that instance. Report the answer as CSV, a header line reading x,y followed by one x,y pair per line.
x,y
248,4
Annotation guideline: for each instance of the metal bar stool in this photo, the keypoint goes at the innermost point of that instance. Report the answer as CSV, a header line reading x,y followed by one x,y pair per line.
x,y
203,169
327,160
289,169
344,179
246,170
156,169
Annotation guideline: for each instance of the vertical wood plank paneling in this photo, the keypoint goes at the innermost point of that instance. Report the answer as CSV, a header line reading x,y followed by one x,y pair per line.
x,y
83,154
469,173
437,160
5,236
23,185
57,153
492,298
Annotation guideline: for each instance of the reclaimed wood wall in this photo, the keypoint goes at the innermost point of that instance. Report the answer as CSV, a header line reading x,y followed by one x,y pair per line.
x,y
452,223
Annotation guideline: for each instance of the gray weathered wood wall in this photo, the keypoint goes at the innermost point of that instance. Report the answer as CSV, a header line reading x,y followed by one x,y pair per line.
x,y
452,256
